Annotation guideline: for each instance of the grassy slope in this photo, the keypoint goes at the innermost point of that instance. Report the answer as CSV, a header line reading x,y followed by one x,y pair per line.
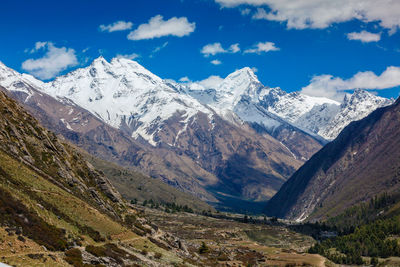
x,y
51,199
28,187
134,185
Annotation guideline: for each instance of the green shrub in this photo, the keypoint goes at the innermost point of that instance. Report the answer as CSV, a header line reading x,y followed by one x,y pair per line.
x,y
96,251
74,257
130,220
158,255
367,240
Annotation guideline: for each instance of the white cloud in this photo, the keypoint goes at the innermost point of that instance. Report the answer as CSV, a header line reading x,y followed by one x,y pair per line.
x,y
216,62
39,45
245,11
211,82
234,48
128,56
184,79
319,14
364,36
262,47
216,48
158,48
333,87
158,27
52,63
116,26
260,14
212,49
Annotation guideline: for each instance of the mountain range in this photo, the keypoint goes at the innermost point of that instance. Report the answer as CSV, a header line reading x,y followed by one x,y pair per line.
x,y
238,140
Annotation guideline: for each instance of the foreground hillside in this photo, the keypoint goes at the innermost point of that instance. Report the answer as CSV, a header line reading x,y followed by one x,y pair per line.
x,y
57,210
361,163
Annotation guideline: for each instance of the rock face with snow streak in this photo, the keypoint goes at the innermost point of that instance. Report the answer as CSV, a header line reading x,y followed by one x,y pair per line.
x,y
354,107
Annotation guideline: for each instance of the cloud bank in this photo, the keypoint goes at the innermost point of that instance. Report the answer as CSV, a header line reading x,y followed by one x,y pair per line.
x,y
54,61
320,14
333,87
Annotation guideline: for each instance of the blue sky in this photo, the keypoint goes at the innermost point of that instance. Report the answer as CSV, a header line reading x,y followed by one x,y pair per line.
x,y
318,46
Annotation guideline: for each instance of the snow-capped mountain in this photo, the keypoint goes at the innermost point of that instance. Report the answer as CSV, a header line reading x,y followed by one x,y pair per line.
x,y
240,139
124,94
354,107
243,94
322,116
13,81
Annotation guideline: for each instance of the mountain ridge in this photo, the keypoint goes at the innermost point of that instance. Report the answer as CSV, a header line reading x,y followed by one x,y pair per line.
x,y
361,163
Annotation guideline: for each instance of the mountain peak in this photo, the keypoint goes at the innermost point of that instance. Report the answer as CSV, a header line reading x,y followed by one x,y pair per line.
x,y
100,61
129,65
362,93
243,73
361,96
240,81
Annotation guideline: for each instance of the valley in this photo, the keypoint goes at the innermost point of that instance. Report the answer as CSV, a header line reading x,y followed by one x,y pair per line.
x,y
191,188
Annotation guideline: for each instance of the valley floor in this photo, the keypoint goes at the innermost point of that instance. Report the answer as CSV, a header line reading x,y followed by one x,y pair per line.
x,y
227,243
234,243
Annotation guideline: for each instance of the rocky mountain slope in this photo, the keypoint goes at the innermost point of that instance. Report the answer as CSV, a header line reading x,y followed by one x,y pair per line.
x,y
57,210
361,163
271,108
199,156
238,100
240,140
